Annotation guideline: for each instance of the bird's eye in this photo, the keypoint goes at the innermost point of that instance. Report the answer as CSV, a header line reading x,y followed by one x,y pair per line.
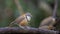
x,y
28,18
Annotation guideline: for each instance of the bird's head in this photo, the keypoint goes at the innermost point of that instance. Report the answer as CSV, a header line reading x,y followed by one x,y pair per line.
x,y
28,16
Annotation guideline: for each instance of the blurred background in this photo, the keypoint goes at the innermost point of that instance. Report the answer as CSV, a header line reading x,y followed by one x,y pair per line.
x,y
40,9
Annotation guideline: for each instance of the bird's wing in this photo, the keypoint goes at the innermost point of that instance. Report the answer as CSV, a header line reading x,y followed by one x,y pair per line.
x,y
19,19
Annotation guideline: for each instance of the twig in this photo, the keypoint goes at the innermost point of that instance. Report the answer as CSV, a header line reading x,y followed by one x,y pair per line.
x,y
55,8
30,30
20,9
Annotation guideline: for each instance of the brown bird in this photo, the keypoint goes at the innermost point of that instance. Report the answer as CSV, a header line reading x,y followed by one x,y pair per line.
x,y
48,23
22,21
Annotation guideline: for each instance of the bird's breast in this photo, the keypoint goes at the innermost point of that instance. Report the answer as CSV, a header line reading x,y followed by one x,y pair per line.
x,y
23,22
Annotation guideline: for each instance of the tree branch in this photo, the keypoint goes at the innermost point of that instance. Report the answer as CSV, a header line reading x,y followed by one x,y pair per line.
x,y
30,30
55,8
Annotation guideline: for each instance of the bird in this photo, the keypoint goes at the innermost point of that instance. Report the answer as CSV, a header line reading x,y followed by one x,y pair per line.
x,y
48,23
22,21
